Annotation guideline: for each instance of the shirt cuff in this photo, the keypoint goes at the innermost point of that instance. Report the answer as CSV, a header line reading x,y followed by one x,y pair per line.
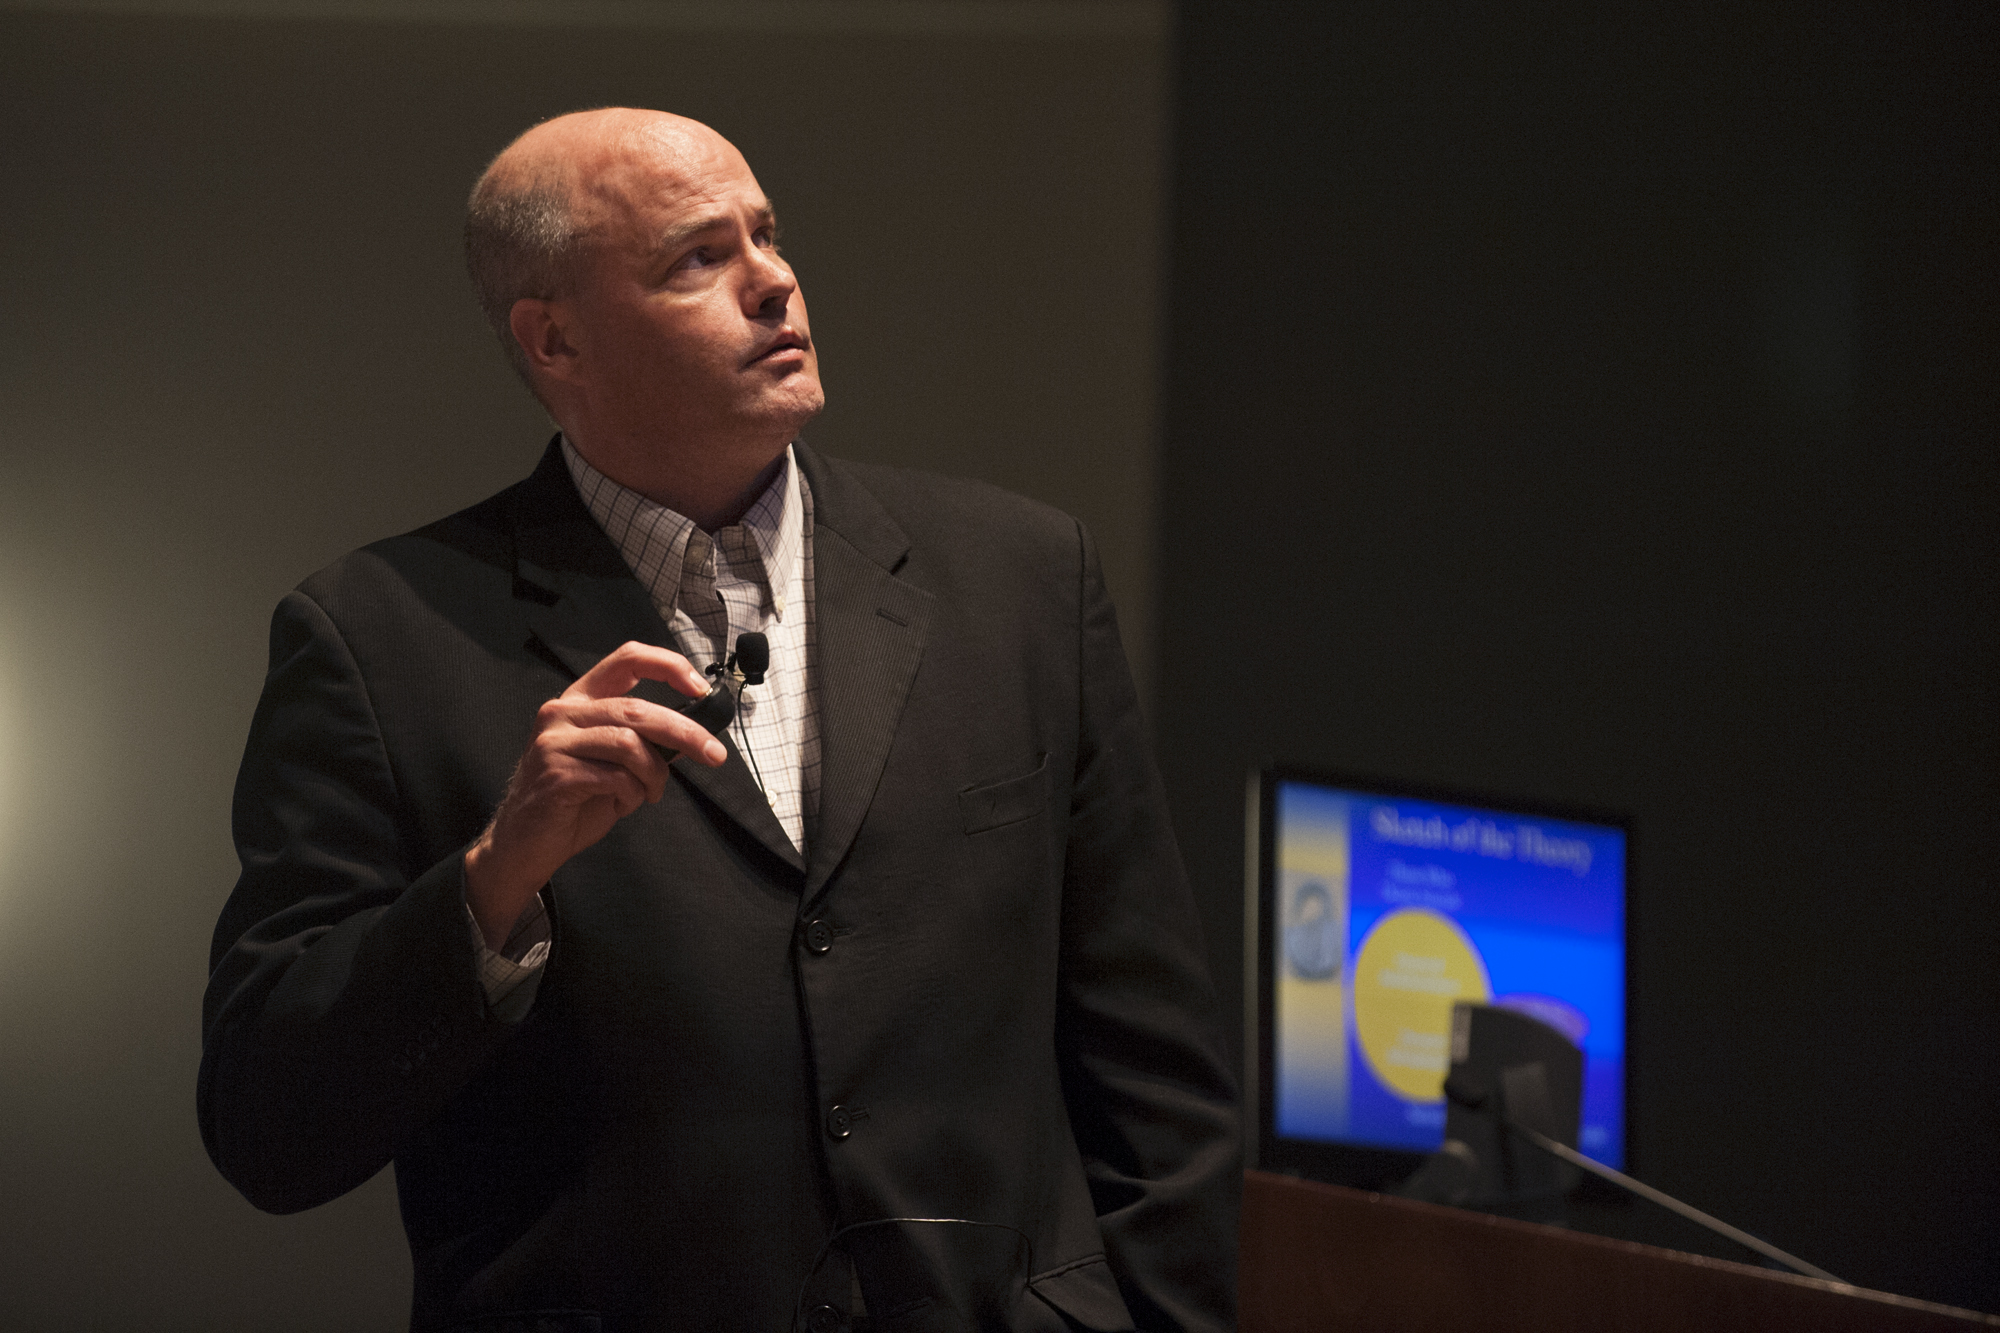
x,y
511,974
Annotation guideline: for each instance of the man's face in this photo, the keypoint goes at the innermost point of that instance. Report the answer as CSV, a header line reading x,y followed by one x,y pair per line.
x,y
690,324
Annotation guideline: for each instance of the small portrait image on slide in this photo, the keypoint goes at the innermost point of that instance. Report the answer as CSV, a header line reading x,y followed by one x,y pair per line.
x,y
1315,936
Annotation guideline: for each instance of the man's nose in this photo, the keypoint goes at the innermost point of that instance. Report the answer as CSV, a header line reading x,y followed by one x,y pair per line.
x,y
770,287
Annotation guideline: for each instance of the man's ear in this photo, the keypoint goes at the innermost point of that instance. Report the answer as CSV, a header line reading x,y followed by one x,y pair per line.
x,y
543,330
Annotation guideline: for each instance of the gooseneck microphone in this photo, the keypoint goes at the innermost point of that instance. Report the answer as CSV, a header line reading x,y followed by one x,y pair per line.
x,y
1472,1094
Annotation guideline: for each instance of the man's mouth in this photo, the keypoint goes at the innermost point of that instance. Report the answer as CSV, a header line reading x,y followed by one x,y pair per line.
x,y
787,341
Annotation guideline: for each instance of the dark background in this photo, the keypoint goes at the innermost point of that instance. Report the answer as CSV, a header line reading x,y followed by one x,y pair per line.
x,y
1594,404
1582,406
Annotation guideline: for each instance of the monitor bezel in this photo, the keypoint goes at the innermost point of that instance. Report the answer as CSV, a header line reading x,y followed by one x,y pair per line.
x,y
1354,1164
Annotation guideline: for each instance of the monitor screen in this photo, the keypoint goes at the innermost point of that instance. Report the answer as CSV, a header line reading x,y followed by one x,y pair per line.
x,y
1375,907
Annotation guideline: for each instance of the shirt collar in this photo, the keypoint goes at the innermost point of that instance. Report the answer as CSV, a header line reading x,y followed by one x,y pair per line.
x,y
654,539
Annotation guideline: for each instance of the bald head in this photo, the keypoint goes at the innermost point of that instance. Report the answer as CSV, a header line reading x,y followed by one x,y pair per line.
x,y
537,204
629,262
587,147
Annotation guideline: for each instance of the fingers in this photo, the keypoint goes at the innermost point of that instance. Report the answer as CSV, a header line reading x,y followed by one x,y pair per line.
x,y
639,720
625,751
628,664
608,684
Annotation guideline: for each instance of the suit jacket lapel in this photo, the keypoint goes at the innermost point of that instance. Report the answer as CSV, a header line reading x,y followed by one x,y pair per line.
x,y
871,627
582,601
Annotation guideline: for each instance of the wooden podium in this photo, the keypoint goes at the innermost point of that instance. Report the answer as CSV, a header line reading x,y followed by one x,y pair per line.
x,y
1320,1257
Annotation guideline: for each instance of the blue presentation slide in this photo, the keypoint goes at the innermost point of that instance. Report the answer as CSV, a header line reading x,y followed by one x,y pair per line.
x,y
1391,909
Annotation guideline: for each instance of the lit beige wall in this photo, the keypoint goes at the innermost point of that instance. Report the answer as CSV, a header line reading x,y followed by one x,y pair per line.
x,y
236,342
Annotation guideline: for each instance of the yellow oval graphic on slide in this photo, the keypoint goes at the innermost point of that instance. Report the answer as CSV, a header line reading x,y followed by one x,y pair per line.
x,y
1413,964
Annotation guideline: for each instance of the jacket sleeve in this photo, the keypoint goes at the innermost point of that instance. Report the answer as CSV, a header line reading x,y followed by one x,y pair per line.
x,y
1151,1099
343,1005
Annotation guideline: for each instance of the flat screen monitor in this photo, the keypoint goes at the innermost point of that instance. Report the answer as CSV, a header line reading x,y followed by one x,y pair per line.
x,y
1371,907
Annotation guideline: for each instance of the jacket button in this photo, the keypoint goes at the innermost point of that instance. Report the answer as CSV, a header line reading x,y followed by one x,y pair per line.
x,y
826,1319
819,937
839,1123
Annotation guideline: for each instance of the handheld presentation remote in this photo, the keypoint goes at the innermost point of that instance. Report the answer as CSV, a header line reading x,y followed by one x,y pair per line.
x,y
716,709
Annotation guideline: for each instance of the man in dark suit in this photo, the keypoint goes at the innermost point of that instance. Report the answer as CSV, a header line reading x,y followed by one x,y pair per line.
x,y
645,1016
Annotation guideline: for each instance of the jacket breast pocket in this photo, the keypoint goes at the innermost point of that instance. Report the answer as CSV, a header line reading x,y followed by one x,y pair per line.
x,y
1004,803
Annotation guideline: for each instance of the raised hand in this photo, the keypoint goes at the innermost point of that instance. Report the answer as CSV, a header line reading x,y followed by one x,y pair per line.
x,y
589,765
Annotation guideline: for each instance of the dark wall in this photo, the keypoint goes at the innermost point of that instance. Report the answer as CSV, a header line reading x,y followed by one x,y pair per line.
x,y
1595,404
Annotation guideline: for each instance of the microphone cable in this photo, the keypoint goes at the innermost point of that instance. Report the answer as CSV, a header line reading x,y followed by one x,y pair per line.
x,y
743,731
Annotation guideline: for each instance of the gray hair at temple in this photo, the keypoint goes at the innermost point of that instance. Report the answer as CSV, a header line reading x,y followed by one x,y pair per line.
x,y
520,240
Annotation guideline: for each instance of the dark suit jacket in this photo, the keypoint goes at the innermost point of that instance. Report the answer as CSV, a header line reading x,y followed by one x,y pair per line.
x,y
1013,1018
